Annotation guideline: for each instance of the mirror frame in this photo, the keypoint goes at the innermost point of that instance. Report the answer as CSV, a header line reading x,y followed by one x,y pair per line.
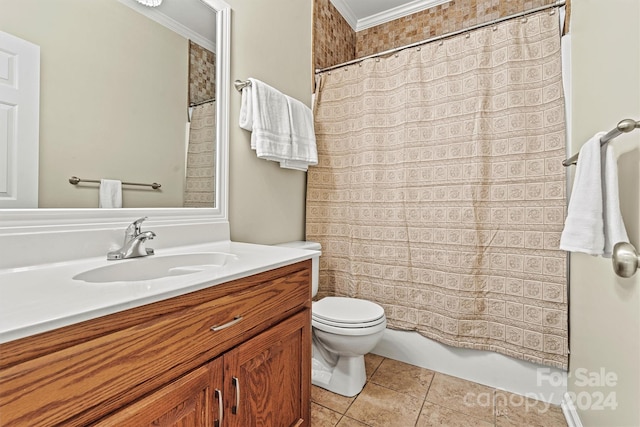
x,y
48,219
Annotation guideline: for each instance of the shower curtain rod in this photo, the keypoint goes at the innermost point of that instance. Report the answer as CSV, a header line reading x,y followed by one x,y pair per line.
x,y
558,3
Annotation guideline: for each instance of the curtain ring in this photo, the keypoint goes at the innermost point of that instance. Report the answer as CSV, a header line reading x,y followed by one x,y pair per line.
x,y
467,35
418,48
552,12
441,43
495,28
523,20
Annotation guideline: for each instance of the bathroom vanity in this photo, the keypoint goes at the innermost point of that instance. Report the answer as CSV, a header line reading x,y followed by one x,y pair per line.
x,y
224,353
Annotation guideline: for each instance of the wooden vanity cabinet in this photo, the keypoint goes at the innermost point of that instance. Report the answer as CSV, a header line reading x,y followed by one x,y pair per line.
x,y
165,366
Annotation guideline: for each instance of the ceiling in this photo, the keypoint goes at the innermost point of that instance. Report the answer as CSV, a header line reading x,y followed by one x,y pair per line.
x,y
362,14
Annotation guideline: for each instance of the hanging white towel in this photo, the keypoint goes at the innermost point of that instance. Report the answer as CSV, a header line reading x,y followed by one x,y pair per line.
x,y
303,139
594,222
614,229
265,113
110,193
583,228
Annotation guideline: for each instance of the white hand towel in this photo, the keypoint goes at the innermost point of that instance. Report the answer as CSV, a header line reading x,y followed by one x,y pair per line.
x,y
110,193
614,229
271,133
303,139
584,226
594,222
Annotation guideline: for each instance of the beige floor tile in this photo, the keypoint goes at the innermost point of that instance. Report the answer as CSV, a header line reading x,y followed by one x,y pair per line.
x,y
403,377
350,422
435,415
323,417
515,410
330,400
371,363
463,396
378,406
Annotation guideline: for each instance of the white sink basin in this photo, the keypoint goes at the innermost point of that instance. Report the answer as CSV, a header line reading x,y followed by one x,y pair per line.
x,y
154,267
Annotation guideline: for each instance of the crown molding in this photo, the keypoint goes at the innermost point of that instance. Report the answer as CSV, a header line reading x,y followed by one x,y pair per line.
x,y
172,24
385,16
346,13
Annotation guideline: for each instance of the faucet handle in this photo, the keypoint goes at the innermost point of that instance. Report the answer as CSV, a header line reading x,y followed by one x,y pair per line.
x,y
134,228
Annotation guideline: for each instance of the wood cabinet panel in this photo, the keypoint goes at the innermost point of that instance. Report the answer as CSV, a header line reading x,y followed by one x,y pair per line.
x,y
270,375
190,401
78,384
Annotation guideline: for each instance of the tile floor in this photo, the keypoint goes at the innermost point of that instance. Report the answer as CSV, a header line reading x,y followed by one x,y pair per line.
x,y
402,395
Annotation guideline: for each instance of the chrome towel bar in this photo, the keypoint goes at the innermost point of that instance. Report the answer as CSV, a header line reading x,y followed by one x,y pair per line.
x,y
625,126
75,180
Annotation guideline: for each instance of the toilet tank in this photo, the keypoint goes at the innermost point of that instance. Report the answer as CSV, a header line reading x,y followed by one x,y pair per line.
x,y
315,261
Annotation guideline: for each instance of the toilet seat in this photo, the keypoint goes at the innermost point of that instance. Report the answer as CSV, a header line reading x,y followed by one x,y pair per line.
x,y
347,325
347,311
348,316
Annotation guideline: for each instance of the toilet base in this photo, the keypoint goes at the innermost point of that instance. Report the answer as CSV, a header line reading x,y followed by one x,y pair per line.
x,y
346,378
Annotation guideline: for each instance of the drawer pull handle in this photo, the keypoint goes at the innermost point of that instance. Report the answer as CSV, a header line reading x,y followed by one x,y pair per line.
x,y
218,422
236,384
235,320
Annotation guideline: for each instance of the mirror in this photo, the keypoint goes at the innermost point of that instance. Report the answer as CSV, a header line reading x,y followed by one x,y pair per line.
x,y
115,97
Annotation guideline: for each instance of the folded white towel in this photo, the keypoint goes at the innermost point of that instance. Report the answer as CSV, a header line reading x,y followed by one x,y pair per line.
x,y
614,229
110,193
270,128
594,223
303,138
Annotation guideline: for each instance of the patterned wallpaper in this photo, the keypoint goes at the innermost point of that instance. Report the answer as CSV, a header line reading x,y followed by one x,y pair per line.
x,y
334,41
202,73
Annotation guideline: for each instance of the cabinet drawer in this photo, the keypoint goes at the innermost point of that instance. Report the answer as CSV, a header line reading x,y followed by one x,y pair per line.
x,y
101,375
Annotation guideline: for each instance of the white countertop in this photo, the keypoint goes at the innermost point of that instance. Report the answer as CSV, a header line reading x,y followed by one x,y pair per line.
x,y
44,297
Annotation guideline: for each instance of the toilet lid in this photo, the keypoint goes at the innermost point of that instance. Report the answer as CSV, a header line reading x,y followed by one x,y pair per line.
x,y
347,310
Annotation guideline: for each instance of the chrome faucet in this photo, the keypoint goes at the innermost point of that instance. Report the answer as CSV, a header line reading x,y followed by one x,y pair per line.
x,y
134,242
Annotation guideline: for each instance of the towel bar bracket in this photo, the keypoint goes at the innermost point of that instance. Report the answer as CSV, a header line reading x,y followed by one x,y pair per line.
x,y
625,259
624,126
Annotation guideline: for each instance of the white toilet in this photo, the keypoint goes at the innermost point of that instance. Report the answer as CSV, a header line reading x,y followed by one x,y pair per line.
x,y
344,330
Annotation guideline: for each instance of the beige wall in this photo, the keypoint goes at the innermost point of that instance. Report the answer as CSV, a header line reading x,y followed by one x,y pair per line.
x,y
113,99
605,309
270,41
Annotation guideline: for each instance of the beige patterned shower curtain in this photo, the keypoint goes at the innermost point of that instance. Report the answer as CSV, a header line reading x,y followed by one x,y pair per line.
x,y
201,158
440,192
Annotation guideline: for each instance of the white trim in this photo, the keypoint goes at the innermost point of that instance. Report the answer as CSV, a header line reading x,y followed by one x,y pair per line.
x,y
172,24
223,84
570,412
396,13
359,24
345,10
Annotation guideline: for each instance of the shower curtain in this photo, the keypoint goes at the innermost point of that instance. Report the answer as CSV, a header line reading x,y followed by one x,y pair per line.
x,y
201,157
440,192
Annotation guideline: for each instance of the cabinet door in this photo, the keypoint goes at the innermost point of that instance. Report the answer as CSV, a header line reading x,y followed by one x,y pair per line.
x,y
268,378
191,401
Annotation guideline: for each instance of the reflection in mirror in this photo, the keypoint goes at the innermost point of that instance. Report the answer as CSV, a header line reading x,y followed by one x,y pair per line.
x,y
123,97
